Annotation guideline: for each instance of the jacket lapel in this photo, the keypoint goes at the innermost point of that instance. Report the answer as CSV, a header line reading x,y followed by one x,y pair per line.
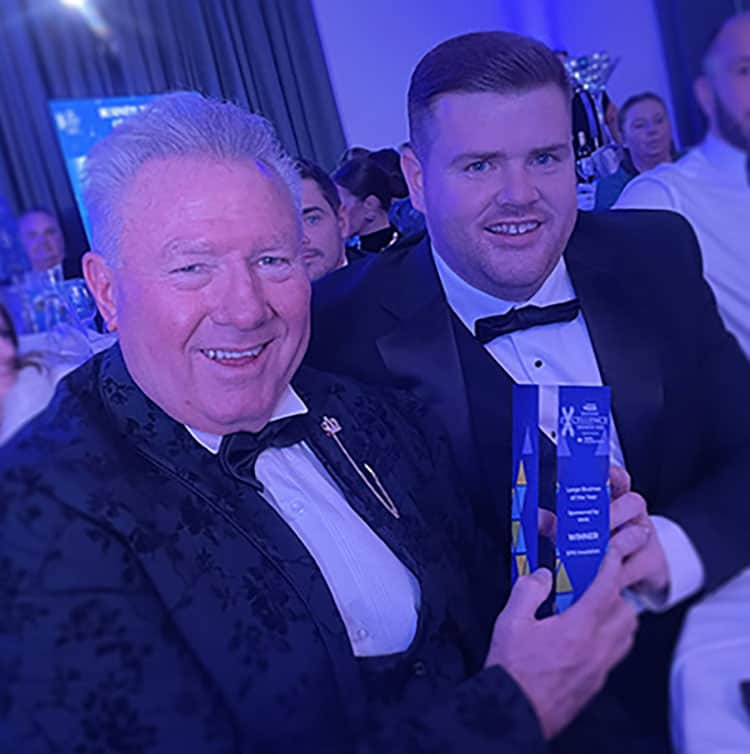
x,y
628,361
362,442
421,342
427,537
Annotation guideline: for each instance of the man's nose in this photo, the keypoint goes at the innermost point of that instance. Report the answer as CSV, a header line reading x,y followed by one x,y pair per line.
x,y
516,186
242,300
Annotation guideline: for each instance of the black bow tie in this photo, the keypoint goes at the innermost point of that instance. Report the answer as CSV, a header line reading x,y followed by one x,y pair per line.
x,y
239,452
489,328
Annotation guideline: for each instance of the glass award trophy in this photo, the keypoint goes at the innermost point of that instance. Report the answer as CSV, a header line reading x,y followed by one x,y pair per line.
x,y
560,488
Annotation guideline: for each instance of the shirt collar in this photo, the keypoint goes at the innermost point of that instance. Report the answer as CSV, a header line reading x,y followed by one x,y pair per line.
x,y
290,404
471,304
725,158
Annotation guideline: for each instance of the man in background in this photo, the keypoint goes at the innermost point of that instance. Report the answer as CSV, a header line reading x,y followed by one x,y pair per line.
x,y
710,185
323,222
43,240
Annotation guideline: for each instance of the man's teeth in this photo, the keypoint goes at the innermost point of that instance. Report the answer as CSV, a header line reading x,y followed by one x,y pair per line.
x,y
514,229
217,354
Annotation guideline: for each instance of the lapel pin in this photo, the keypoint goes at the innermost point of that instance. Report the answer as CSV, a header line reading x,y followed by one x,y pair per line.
x,y
330,425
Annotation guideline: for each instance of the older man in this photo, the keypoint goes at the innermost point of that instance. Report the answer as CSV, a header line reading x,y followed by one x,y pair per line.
x,y
710,185
204,548
513,286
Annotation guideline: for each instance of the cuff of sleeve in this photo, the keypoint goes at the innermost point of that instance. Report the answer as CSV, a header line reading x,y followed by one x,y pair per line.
x,y
686,574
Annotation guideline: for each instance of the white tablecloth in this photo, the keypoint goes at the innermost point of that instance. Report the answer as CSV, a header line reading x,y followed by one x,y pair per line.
x,y
712,657
66,347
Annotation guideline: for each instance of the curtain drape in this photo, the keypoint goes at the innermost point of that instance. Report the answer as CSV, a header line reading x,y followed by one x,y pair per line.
x,y
263,54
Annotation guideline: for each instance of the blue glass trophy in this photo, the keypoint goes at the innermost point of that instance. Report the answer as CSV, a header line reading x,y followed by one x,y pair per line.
x,y
560,491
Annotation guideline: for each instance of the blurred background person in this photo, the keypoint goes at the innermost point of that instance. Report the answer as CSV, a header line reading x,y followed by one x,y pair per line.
x,y
323,223
367,192
26,384
647,140
389,160
48,292
710,185
403,215
43,241
352,153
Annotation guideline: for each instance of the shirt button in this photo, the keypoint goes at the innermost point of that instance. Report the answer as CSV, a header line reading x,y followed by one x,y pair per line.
x,y
419,669
361,634
297,507
538,364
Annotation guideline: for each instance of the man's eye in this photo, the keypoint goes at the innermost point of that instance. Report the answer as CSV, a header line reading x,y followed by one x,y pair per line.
x,y
545,158
312,219
480,166
271,261
190,268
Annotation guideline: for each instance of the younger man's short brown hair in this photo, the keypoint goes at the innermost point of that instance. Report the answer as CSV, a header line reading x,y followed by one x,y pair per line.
x,y
494,61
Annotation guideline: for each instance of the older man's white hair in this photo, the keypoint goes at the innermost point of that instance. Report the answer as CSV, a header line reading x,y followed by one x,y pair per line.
x,y
181,124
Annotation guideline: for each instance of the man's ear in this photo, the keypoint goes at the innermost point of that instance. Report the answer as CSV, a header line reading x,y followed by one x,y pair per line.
x,y
342,221
704,94
412,170
100,280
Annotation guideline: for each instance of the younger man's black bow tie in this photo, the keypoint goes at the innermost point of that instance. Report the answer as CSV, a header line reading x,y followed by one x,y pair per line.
x,y
240,451
489,328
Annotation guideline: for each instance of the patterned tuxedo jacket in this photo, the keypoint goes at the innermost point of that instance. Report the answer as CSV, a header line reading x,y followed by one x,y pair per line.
x,y
151,603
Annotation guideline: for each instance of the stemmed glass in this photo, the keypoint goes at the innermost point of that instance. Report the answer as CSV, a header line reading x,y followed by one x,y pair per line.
x,y
81,302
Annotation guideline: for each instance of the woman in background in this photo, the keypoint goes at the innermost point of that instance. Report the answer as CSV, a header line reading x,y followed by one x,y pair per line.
x,y
647,139
26,387
367,191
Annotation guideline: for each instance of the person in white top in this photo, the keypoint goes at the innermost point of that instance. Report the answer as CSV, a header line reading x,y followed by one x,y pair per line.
x,y
710,185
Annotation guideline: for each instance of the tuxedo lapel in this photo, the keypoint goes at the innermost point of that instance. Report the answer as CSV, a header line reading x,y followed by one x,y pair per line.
x,y
421,347
434,535
628,359
367,442
489,393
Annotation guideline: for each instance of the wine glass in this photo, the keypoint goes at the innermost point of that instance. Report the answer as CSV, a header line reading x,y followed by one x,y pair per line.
x,y
81,302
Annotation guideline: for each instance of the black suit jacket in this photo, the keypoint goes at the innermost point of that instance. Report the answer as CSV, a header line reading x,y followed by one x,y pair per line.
x,y
151,602
680,384
680,389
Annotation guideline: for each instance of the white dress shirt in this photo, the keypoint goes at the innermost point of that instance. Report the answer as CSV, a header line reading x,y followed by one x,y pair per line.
x,y
562,354
377,597
708,186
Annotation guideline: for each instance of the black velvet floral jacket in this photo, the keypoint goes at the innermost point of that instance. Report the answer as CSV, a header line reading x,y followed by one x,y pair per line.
x,y
150,602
